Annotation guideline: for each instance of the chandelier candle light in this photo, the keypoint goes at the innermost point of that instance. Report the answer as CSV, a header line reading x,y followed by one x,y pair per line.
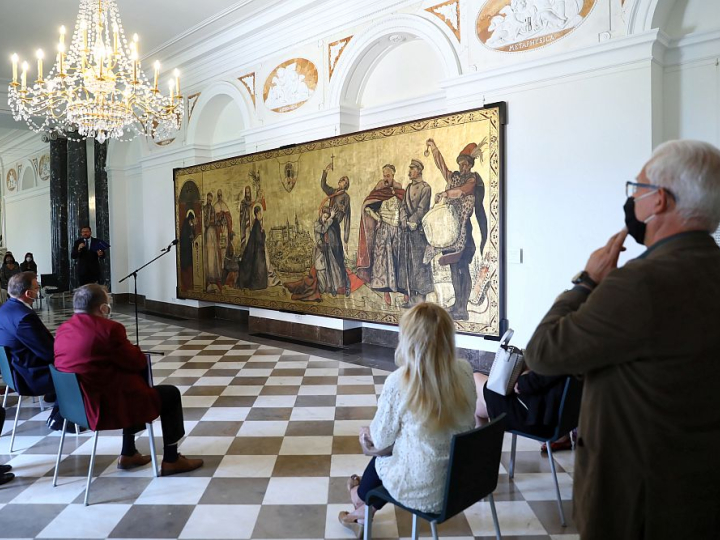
x,y
96,86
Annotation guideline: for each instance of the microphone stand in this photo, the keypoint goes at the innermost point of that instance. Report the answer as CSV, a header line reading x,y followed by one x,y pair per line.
x,y
134,274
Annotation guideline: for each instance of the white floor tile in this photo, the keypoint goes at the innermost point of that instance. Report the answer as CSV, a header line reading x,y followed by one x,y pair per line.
x,y
541,486
218,414
516,519
211,521
174,490
312,413
345,465
297,491
42,492
273,428
311,446
246,467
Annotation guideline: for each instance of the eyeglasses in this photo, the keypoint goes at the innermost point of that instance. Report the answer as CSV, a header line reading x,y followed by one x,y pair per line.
x,y
631,188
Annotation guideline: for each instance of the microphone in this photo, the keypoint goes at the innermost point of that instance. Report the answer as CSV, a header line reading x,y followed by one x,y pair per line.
x,y
173,243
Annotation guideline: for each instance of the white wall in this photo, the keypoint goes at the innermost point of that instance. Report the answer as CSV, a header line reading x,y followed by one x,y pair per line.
x,y
25,228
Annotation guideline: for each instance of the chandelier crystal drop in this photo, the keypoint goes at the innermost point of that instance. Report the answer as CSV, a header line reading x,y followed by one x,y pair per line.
x,y
96,86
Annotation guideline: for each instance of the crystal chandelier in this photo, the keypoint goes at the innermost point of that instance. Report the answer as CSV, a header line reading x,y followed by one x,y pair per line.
x,y
96,86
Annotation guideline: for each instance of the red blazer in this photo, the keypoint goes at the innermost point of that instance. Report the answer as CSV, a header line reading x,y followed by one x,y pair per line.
x,y
110,369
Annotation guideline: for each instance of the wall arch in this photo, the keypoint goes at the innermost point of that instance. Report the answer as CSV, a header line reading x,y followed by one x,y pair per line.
x,y
645,15
28,179
220,104
124,154
367,49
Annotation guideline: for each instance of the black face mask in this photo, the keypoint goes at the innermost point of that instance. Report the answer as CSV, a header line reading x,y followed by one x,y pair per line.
x,y
635,227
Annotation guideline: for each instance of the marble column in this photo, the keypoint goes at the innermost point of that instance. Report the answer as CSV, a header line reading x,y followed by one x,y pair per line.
x,y
102,211
59,247
78,207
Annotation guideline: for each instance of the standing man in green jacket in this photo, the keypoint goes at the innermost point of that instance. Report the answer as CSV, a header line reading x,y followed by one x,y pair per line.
x,y
646,338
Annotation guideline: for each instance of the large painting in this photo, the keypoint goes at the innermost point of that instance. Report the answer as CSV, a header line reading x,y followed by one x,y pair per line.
x,y
359,226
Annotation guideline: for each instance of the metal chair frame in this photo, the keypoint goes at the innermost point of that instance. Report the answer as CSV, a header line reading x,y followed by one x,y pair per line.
x,y
8,375
568,417
72,407
473,470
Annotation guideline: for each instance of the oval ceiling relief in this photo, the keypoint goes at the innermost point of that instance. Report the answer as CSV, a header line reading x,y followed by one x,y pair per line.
x,y
290,85
522,25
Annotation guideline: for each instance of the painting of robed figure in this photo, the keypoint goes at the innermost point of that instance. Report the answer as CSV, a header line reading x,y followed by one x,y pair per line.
x,y
373,223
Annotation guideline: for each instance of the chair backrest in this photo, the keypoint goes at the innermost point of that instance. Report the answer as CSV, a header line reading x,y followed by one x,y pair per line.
x,y
49,280
6,370
569,413
69,397
474,466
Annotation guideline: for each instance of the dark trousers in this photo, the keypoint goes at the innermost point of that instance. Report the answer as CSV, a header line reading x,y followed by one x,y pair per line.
x,y
2,418
171,415
369,481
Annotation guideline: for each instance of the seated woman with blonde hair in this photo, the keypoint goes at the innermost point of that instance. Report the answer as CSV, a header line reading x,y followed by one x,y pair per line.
x,y
427,400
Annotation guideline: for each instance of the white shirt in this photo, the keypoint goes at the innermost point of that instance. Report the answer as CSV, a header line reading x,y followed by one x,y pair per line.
x,y
415,473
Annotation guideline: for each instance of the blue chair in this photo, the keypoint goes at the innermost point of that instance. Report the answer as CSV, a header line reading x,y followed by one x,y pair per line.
x,y
72,408
8,375
472,475
568,417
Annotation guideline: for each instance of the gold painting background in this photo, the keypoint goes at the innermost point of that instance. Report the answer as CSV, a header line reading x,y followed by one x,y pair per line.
x,y
361,157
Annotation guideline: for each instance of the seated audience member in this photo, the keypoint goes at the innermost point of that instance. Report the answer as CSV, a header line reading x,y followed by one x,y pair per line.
x,y
28,265
113,378
532,408
5,474
427,400
28,343
8,269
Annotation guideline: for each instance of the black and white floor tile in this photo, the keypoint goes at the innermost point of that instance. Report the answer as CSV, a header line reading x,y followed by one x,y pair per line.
x,y
277,427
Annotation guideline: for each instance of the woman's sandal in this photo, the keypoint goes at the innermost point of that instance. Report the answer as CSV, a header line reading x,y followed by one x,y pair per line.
x,y
353,481
351,523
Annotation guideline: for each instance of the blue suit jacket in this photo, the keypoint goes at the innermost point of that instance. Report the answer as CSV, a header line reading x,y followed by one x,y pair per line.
x,y
29,345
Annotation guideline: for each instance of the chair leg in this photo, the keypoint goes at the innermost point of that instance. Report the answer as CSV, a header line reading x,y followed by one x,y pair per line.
x,y
433,528
414,528
498,536
59,456
367,529
17,416
7,391
513,446
557,485
90,469
153,455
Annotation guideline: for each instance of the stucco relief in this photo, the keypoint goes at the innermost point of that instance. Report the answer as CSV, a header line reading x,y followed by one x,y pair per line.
x,y
11,180
290,85
248,81
335,50
449,13
521,25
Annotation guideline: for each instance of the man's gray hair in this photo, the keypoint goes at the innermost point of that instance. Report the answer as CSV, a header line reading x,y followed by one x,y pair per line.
x,y
691,171
89,298
19,283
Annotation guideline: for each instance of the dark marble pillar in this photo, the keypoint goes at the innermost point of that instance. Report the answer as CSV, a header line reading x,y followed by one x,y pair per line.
x,y
102,210
78,206
58,211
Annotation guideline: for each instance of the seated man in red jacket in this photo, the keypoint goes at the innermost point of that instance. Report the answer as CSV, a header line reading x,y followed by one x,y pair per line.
x,y
112,373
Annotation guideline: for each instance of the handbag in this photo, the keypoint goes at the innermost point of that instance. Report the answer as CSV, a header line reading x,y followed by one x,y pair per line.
x,y
509,363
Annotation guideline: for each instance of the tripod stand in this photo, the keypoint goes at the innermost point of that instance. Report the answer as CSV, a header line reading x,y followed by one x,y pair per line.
x,y
134,274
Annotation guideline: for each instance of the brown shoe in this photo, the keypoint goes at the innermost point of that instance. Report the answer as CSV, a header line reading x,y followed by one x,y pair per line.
x,y
182,465
131,462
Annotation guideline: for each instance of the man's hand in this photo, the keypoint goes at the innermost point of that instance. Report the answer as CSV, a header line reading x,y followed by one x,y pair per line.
x,y
604,260
81,245
440,196
328,168
431,144
100,253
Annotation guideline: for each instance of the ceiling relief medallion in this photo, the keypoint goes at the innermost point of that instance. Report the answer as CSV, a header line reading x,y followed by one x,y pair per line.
x,y
449,13
290,85
522,25
11,180
335,50
248,81
192,101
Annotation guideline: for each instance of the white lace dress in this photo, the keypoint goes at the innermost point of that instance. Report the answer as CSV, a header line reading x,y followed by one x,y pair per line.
x,y
415,472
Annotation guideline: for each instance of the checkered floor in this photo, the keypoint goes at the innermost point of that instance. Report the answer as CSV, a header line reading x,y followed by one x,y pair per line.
x,y
278,432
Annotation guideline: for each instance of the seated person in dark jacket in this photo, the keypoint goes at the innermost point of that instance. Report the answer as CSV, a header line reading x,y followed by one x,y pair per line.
x,y
29,265
533,407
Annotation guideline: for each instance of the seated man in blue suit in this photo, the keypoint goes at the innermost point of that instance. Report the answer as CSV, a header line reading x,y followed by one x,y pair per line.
x,y
28,343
